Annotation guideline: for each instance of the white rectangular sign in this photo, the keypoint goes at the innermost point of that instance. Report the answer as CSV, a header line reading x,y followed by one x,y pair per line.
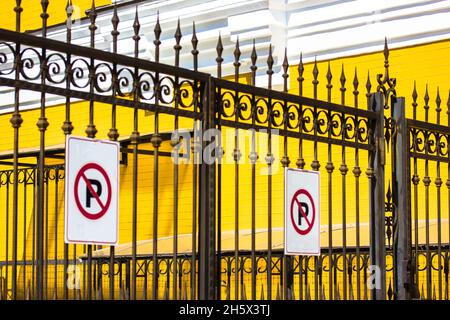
x,y
91,191
301,212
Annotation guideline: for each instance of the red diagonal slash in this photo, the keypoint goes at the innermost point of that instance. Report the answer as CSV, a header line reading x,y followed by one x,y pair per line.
x,y
302,212
91,189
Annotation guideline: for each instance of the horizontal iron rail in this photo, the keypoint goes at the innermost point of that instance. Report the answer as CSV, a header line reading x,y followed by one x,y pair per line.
x,y
428,126
291,98
98,98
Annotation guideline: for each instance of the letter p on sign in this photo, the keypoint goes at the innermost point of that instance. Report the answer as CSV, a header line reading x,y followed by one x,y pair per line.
x,y
92,191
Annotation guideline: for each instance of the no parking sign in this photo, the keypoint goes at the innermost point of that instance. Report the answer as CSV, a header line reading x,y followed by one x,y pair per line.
x,y
302,212
91,191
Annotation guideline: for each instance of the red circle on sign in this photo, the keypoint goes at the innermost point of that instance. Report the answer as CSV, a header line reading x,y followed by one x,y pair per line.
x,y
296,201
81,174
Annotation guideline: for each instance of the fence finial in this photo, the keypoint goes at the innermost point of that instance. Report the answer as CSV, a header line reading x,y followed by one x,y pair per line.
x,y
219,59
414,104
269,67
157,42
194,42
426,99
386,85
237,55
136,26
315,82
253,57
44,16
329,78
285,71
438,107
342,89
300,78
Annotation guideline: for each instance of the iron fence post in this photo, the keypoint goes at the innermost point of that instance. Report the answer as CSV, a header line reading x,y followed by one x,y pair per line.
x,y
206,268
377,202
401,207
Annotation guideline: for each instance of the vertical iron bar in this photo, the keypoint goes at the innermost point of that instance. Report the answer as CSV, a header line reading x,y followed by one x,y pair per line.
x,y
135,142
175,145
113,133
438,183
156,142
67,126
357,173
236,158
288,281
330,168
55,280
269,160
426,181
300,161
415,180
377,193
343,170
219,60
253,156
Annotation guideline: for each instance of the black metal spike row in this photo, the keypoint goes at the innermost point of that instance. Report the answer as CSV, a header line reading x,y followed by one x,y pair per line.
x,y
177,47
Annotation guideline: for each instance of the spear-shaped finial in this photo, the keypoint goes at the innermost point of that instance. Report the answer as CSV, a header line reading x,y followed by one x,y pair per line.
x,y
194,42
343,89
438,107
285,70
253,57
177,46
219,59
315,82
136,37
414,104
368,85
426,99
237,55
329,78
300,78
44,16
355,87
